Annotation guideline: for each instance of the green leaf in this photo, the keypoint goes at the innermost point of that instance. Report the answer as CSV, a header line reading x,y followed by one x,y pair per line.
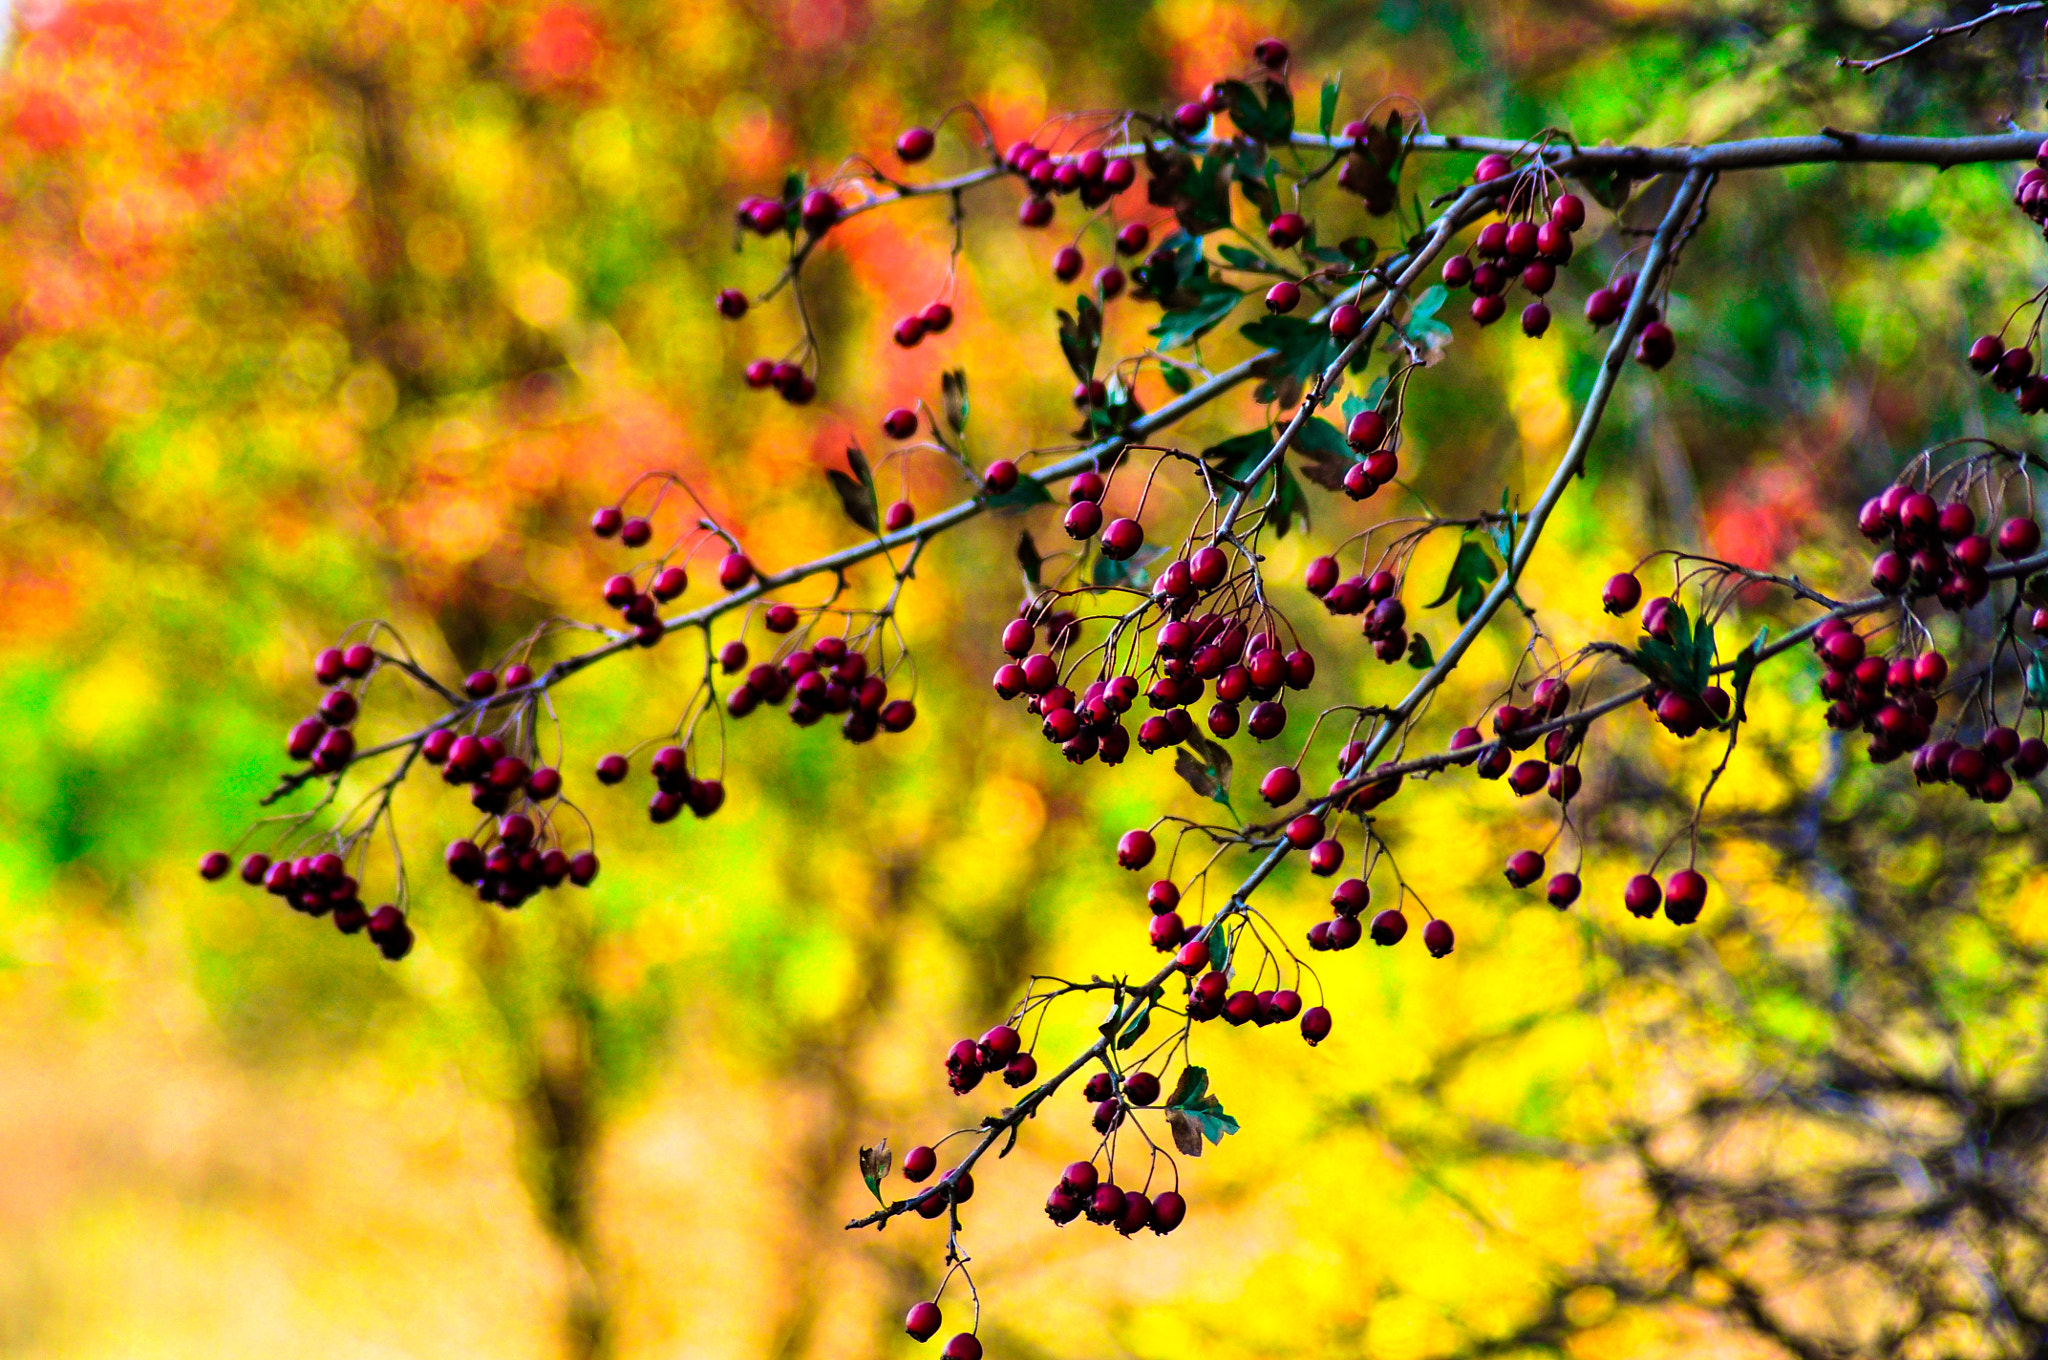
x,y
792,189
1029,558
1207,767
2037,683
1471,573
1359,250
1288,502
874,1165
1609,188
1081,337
1318,438
1745,667
1419,655
1192,1101
1270,120
1107,572
1305,348
1207,1116
1327,118
1702,656
1182,326
1135,1030
1204,202
1427,306
954,385
1177,380
1219,950
1237,456
1028,492
1244,259
856,493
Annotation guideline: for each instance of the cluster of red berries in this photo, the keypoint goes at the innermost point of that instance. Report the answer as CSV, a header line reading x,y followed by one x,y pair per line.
x,y
1375,596
1081,1192
1519,250
996,1051
667,581
1131,239
1388,927
325,739
2011,370
1190,118
319,885
675,788
1935,549
1370,435
520,866
826,678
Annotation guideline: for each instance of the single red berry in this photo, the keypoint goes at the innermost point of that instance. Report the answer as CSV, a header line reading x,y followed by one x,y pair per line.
x,y
1457,271
1280,786
1524,867
1121,538
1169,1210
359,660
1438,938
1066,264
735,570
1346,321
1315,1025
214,865
1192,957
1134,850
923,1320
1270,53
635,532
732,303
1000,478
1604,307
1286,229
1304,831
913,145
668,583
963,1346
1082,520
1389,927
937,318
1685,893
606,522
1491,167
1535,316
2018,537
1562,890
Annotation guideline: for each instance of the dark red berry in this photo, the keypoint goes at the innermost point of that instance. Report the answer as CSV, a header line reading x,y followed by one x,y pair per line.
x,y
1438,938
923,1320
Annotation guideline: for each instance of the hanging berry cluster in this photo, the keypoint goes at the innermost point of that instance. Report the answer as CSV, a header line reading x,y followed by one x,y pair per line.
x,y
1171,637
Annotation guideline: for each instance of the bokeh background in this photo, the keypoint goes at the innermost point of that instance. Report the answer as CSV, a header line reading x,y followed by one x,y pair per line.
x,y
340,309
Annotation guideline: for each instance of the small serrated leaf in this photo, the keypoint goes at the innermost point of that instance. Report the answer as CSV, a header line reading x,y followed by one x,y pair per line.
x,y
1189,767
1419,655
1745,668
857,492
874,1167
1192,1085
1029,558
1327,116
1471,573
1288,502
1135,1030
1028,492
954,385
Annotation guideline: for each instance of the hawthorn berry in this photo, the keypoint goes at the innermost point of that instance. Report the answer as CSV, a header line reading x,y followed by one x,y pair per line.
x,y
1281,785
1685,893
1122,538
1524,867
1438,938
735,570
913,144
1315,1025
962,1346
923,1320
1135,848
